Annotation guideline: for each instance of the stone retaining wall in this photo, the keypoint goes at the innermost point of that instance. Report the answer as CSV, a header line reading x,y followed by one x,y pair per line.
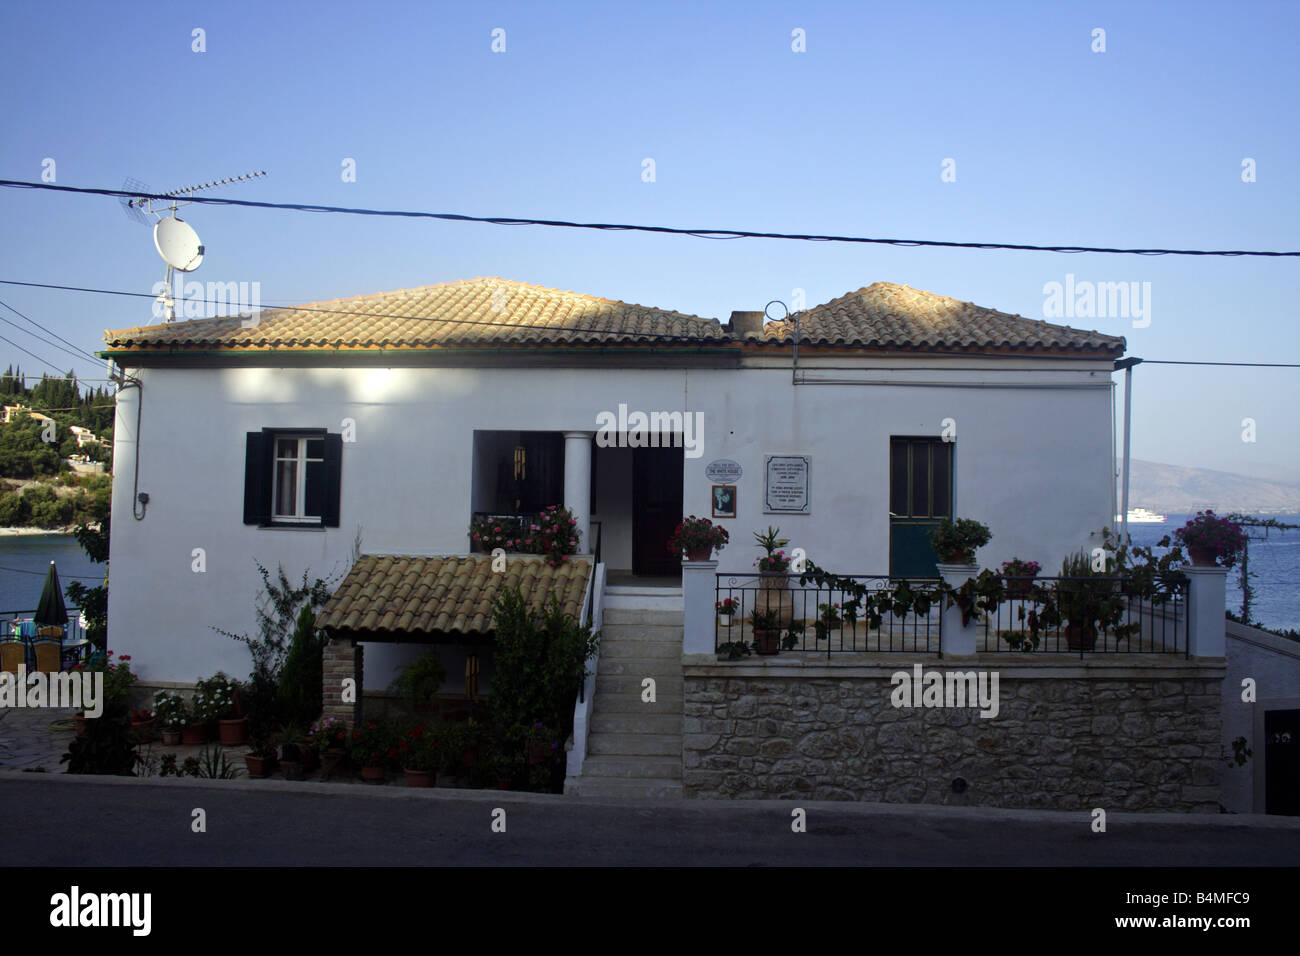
x,y
1067,736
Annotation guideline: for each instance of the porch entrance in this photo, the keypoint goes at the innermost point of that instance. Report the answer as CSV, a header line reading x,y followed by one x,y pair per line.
x,y
656,510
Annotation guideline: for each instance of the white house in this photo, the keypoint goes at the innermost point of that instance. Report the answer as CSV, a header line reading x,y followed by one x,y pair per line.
x,y
397,417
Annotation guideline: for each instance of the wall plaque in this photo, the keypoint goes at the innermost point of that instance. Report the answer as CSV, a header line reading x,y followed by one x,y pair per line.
x,y
786,488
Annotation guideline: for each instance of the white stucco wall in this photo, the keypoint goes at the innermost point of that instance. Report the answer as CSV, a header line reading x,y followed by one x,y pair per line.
x,y
1273,663
1033,462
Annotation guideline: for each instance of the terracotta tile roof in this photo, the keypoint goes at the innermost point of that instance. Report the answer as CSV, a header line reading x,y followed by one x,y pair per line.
x,y
889,316
483,312
401,597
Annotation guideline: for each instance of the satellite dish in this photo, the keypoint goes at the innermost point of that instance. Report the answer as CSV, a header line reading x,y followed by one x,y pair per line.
x,y
178,244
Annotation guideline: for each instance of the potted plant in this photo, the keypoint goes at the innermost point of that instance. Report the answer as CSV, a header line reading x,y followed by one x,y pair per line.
x,y
142,724
373,749
221,696
260,760
418,753
766,626
1208,537
291,742
727,609
329,738
955,542
1019,577
697,538
828,619
172,713
203,711
1085,600
542,745
733,651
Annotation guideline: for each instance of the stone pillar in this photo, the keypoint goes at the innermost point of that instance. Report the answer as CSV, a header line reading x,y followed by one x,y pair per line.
x,y
1206,623
577,484
342,659
699,589
956,639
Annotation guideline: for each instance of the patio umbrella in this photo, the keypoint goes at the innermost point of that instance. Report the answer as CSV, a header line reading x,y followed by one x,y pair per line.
x,y
51,611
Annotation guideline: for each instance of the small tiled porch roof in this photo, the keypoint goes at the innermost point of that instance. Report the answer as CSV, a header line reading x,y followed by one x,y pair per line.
x,y
416,599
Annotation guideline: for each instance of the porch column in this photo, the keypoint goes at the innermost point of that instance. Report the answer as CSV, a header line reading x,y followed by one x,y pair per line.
x,y
956,639
1206,622
342,659
577,483
699,609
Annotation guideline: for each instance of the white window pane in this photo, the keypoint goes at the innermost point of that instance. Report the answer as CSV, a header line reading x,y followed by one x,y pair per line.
x,y
286,487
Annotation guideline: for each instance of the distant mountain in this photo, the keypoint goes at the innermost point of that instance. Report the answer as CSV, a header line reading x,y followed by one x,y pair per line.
x,y
1173,489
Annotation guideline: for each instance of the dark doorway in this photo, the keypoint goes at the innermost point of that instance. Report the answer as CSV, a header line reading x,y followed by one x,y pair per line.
x,y
656,509
920,496
1282,762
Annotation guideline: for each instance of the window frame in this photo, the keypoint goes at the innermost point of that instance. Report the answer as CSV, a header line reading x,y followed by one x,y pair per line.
x,y
301,462
262,479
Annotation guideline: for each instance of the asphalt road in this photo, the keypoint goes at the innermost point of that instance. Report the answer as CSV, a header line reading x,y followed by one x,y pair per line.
x,y
149,822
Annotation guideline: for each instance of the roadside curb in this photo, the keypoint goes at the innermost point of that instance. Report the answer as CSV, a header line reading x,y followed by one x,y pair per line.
x,y
930,812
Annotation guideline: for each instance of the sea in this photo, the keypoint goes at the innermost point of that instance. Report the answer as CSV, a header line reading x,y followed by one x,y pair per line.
x,y
25,560
1274,568
1274,564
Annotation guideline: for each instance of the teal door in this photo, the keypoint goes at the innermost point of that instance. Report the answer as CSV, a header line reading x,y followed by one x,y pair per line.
x,y
920,496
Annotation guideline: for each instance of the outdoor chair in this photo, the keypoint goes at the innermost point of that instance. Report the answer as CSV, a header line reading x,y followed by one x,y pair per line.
x,y
12,654
48,656
74,654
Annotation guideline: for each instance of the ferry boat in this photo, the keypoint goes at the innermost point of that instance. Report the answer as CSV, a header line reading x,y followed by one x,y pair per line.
x,y
1142,516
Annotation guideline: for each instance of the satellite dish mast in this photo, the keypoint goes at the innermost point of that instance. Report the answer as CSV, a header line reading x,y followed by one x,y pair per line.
x,y
174,238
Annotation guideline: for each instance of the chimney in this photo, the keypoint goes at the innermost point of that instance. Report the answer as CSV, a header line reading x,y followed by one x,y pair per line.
x,y
743,323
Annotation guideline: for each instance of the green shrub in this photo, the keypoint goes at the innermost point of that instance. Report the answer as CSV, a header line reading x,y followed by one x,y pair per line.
x,y
420,680
108,746
299,695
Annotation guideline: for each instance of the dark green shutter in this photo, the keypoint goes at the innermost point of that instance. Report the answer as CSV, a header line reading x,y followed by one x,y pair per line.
x,y
257,478
333,479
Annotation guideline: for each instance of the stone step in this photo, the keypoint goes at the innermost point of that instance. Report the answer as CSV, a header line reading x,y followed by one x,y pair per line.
x,y
639,667
651,633
633,704
638,723
666,684
631,615
620,789
642,649
642,767
628,745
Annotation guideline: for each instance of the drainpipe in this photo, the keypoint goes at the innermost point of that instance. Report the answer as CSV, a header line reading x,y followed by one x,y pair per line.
x,y
1127,365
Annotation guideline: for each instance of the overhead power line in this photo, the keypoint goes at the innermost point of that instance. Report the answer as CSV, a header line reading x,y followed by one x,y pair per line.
x,y
76,348
628,227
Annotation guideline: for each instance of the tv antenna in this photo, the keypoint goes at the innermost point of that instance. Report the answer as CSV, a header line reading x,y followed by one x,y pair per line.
x,y
174,238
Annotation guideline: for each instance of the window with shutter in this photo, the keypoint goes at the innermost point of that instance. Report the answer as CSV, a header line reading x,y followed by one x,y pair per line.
x,y
292,477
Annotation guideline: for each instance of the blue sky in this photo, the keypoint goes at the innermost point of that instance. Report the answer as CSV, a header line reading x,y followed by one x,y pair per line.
x,y
1140,145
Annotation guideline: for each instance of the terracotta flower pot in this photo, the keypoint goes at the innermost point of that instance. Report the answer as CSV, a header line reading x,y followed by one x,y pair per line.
x,y
774,595
373,774
292,769
195,735
420,778
699,554
1079,638
259,767
768,642
310,759
232,733
1202,557
171,737
330,761
1019,586
143,730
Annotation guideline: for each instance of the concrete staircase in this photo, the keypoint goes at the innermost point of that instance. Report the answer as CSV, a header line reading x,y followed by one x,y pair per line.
x,y
635,748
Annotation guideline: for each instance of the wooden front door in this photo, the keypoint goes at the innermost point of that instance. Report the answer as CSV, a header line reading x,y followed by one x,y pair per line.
x,y
656,509
920,496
